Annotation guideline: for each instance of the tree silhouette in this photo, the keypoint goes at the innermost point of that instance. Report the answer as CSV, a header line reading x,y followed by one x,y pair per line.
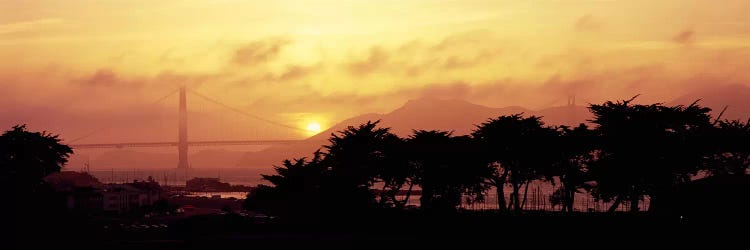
x,y
576,148
447,168
26,158
634,151
646,149
393,172
296,189
731,154
518,149
357,158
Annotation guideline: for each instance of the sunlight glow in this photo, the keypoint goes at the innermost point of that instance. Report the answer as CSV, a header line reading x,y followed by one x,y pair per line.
x,y
313,127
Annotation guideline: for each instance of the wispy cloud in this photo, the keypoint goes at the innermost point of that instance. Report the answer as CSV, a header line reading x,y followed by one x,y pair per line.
x,y
588,23
258,52
684,37
9,28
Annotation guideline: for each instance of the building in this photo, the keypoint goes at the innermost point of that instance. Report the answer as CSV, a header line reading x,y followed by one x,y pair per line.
x,y
85,193
80,191
119,198
206,185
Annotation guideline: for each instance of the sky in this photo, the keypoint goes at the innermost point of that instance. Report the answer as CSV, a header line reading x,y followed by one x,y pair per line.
x,y
76,66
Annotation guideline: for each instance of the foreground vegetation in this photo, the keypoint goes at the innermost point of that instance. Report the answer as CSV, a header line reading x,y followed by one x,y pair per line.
x,y
631,152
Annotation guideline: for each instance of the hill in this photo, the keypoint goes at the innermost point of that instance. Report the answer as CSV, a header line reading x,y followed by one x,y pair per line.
x,y
427,114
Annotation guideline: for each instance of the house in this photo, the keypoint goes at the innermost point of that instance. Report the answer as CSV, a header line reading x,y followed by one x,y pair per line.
x,y
125,197
81,191
85,193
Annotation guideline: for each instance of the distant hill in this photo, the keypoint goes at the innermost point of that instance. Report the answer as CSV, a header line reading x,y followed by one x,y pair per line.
x,y
426,113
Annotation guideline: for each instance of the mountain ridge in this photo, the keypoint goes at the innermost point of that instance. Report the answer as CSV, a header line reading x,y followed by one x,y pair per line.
x,y
455,115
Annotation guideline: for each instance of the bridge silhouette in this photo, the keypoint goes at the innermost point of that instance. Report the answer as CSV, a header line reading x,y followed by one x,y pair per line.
x,y
182,142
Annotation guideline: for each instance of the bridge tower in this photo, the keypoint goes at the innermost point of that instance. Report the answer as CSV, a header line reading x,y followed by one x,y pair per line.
x,y
182,140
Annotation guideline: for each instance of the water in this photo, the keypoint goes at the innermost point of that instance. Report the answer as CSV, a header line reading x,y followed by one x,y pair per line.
x,y
537,199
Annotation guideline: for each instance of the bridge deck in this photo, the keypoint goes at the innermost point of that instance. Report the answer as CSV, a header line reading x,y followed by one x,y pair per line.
x,y
192,143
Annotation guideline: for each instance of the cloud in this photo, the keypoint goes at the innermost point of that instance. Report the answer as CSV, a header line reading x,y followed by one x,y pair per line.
x,y
375,60
108,78
289,74
259,52
459,90
587,23
467,61
294,72
172,79
316,102
458,51
466,66
102,77
123,107
459,40
684,37
9,28
168,57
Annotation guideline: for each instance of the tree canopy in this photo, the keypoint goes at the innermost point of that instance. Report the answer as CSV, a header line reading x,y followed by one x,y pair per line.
x,y
632,151
27,157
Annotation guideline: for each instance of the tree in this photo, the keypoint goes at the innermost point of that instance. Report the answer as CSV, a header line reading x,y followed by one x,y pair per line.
x,y
447,169
731,152
341,179
357,159
296,189
518,149
27,157
576,149
646,149
392,172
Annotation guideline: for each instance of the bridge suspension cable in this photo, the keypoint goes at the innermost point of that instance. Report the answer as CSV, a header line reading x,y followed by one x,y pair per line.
x,y
242,112
93,132
193,143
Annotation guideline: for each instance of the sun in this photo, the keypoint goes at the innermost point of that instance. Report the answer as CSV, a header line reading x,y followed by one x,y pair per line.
x,y
313,127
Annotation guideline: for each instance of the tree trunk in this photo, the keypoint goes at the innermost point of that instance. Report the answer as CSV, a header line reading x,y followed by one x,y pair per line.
x,y
634,199
383,195
570,200
501,197
655,197
569,197
499,185
511,201
616,204
516,196
408,195
634,204
525,194
425,201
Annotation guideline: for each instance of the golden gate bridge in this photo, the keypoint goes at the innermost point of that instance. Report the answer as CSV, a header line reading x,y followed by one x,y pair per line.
x,y
182,142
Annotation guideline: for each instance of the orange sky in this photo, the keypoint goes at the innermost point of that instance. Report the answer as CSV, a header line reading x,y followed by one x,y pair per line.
x,y
74,66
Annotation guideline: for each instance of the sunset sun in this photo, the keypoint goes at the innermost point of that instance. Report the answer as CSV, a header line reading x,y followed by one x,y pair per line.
x,y
313,127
